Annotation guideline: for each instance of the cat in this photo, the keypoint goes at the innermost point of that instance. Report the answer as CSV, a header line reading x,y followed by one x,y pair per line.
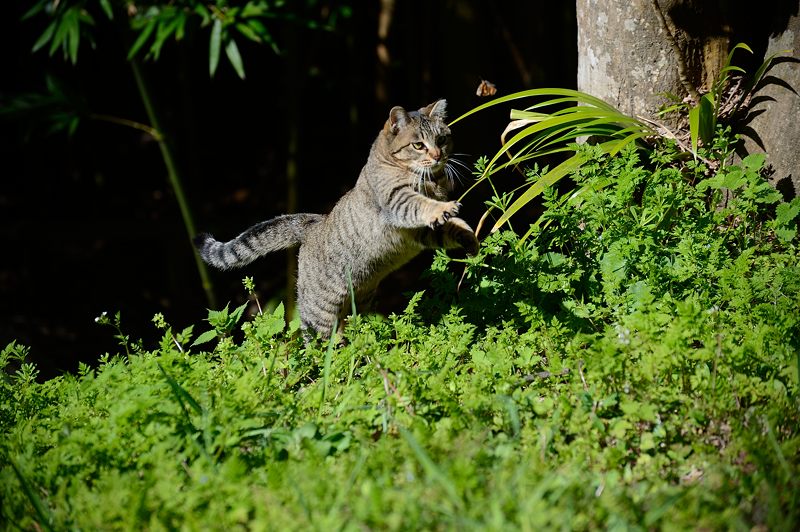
x,y
397,208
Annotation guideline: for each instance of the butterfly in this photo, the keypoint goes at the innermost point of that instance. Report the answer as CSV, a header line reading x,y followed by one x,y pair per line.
x,y
486,88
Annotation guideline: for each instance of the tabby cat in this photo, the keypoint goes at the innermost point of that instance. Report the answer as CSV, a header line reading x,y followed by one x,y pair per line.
x,y
397,208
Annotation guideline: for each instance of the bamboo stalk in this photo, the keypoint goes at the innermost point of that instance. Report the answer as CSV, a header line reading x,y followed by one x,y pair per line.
x,y
174,180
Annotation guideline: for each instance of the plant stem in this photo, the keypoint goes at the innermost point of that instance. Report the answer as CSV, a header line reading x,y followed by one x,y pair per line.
x,y
153,132
174,180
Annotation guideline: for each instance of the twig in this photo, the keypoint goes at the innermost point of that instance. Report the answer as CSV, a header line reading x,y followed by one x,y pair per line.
x,y
153,132
583,379
667,132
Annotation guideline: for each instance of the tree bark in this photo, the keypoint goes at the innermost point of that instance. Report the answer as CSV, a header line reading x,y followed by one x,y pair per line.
x,y
775,128
632,53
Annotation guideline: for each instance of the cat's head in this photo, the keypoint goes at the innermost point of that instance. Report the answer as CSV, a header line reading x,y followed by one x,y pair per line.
x,y
419,140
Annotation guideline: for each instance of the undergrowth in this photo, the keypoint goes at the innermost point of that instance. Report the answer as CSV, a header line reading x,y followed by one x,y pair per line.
x,y
632,365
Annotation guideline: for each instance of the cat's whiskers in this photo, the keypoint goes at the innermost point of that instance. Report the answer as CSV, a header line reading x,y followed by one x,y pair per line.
x,y
455,168
452,176
419,182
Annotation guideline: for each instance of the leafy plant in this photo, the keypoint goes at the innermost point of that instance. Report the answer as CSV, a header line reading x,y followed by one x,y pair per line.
x,y
150,25
635,365
729,96
154,23
577,115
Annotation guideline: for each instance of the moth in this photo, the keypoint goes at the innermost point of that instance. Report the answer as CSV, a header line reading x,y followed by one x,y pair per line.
x,y
486,88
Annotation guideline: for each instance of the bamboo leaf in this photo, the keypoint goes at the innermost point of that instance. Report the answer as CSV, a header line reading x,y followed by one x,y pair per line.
x,y
59,37
147,30
165,29
46,35
248,32
106,5
214,44
35,9
232,51
74,39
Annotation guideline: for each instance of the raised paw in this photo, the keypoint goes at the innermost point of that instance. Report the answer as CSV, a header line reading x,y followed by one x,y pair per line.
x,y
445,212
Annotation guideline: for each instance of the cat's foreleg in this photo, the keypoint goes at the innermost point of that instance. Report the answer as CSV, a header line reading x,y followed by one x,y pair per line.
x,y
455,233
405,207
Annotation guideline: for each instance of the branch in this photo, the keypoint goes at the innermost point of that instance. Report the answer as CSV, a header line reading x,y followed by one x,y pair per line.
x,y
153,132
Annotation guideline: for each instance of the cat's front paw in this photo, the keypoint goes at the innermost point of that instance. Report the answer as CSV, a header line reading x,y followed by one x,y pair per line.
x,y
446,211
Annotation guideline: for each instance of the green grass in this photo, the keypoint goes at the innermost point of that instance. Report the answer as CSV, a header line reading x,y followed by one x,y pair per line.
x,y
633,364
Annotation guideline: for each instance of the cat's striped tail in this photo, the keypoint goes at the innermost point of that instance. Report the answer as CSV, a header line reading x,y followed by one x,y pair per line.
x,y
264,237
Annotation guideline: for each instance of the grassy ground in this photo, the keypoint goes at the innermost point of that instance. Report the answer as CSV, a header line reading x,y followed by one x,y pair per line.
x,y
632,365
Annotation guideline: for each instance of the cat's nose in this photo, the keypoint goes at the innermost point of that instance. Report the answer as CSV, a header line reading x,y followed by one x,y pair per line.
x,y
436,154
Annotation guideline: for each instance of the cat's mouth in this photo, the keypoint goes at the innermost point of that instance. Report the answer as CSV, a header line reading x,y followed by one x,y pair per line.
x,y
432,170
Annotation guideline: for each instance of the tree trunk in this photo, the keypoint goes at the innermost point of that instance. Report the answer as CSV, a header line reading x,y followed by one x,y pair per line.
x,y
632,53
776,126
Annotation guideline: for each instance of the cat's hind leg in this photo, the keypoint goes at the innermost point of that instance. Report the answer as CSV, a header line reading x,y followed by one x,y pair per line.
x,y
455,233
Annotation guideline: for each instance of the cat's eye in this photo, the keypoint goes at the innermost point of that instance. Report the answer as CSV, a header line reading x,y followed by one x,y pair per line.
x,y
441,140
418,145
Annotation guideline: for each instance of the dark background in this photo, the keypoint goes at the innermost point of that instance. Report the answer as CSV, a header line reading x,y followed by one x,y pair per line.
x,y
88,222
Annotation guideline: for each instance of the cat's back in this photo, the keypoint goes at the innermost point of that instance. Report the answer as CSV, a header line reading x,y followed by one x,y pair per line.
x,y
354,225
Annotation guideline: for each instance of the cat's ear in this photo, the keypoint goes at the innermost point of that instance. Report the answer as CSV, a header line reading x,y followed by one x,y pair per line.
x,y
398,117
437,109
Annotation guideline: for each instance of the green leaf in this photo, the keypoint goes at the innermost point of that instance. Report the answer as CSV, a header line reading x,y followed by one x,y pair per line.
x,y
236,315
232,51
786,234
39,6
213,48
205,337
74,42
694,127
59,38
248,32
754,161
786,212
252,9
707,119
46,35
145,33
45,518
180,393
165,29
269,325
326,368
106,5
431,469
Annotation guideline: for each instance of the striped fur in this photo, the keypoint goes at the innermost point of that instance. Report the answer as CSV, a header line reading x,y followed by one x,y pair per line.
x,y
265,237
397,208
